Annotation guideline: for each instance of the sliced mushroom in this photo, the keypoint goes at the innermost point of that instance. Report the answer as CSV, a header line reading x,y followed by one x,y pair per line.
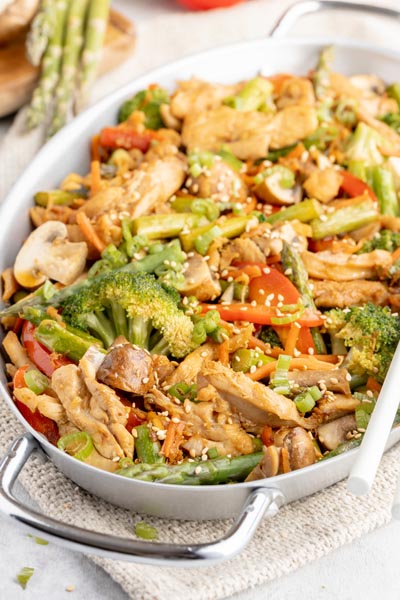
x,y
127,367
300,448
47,254
199,280
332,434
271,190
267,467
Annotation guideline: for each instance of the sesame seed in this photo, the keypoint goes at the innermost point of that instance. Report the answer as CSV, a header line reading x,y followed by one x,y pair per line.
x,y
253,369
334,380
267,270
197,470
192,452
280,298
145,380
134,433
311,351
204,354
323,218
348,377
175,420
288,271
204,457
370,394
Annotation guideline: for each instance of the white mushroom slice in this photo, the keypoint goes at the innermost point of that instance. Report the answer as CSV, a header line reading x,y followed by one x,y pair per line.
x,y
271,190
47,254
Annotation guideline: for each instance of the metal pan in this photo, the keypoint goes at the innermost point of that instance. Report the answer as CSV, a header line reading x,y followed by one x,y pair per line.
x,y
68,152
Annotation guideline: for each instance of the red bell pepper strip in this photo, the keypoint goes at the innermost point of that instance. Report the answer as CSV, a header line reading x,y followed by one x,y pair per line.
x,y
261,314
125,137
353,186
273,282
46,361
305,341
39,422
207,4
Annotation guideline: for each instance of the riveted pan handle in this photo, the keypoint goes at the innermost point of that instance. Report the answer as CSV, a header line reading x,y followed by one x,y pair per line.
x,y
300,9
260,502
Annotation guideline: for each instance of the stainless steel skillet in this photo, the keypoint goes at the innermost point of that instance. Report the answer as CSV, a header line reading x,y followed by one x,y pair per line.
x,y
68,152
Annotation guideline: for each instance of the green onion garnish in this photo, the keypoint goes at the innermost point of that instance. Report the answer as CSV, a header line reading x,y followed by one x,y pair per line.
x,y
280,381
78,444
183,391
145,531
36,381
24,576
304,402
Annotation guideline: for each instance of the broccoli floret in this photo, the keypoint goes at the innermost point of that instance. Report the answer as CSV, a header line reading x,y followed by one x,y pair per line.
x,y
149,102
111,258
133,305
385,240
363,145
255,95
370,332
268,335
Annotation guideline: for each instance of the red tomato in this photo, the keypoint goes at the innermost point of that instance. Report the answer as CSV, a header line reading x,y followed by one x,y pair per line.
x,y
46,361
354,186
124,137
39,422
207,4
273,282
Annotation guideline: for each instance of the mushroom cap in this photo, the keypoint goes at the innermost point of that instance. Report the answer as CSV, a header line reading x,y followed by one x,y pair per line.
x,y
47,254
15,16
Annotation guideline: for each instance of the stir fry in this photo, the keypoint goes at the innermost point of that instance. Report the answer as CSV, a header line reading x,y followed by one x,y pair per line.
x,y
217,299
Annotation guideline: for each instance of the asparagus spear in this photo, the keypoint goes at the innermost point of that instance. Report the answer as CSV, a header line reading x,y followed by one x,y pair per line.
x,y
57,197
320,77
303,211
70,63
40,31
201,237
294,267
94,37
147,450
344,219
43,94
218,470
164,226
58,339
383,184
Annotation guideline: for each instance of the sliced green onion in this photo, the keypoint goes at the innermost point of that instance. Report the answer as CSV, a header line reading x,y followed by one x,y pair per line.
x,y
36,381
24,576
245,358
304,402
79,442
290,318
145,531
204,241
280,381
227,156
199,160
212,453
183,391
363,414
315,392
125,462
38,540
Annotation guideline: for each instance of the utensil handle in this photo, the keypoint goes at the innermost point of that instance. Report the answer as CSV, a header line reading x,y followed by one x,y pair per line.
x,y
300,9
261,502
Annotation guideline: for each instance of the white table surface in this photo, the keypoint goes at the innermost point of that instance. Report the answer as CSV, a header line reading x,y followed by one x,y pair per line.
x,y
368,568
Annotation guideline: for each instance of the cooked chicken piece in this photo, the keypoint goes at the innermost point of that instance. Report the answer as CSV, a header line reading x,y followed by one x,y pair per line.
x,y
241,249
104,403
149,187
68,384
346,267
300,448
270,240
255,401
15,350
199,280
210,423
291,125
49,406
341,294
162,367
191,365
196,95
333,406
363,91
219,182
167,145
246,134
295,91
168,118
127,367
323,185
332,434
336,380
267,467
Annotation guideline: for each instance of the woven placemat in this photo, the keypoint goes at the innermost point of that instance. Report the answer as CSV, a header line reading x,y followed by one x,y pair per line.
x,y
303,531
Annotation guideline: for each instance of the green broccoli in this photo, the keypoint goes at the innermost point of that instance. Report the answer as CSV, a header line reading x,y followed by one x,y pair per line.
x,y
149,102
370,332
255,95
363,145
133,305
268,335
384,240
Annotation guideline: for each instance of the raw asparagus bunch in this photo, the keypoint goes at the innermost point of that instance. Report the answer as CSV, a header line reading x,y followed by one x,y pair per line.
x,y
67,37
209,472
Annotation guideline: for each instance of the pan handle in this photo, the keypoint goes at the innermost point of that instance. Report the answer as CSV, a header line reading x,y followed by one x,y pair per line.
x,y
300,9
261,502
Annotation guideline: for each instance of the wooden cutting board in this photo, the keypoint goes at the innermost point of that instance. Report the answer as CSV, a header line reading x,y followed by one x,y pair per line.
x,y
18,77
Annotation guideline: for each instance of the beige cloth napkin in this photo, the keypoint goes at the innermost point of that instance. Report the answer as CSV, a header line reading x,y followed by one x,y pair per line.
x,y
302,531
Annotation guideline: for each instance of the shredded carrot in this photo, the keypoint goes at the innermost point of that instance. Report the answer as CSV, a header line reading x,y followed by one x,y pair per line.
x,y
292,338
296,152
266,348
250,270
173,438
278,81
250,206
88,231
395,255
285,462
95,177
302,363
343,202
329,358
373,385
94,148
223,353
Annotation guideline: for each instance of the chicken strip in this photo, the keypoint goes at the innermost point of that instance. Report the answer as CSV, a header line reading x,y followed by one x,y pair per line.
x,y
255,401
346,267
340,294
196,95
292,124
